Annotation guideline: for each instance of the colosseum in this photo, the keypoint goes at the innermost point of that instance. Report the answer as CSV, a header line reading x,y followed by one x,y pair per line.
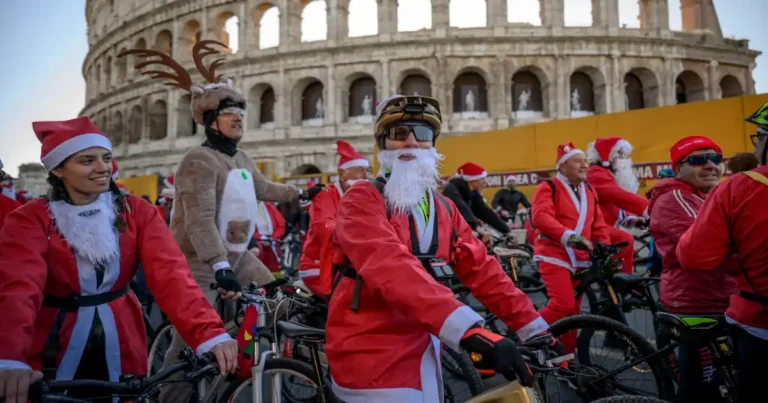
x,y
304,95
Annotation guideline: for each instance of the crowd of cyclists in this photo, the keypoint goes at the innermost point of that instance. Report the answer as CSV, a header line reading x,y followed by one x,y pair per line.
x,y
386,256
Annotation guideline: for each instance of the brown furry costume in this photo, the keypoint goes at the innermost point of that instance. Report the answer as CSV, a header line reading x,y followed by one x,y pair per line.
x,y
215,205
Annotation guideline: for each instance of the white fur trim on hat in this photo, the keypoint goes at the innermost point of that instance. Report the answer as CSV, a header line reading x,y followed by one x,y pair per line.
x,y
568,155
355,163
475,177
73,146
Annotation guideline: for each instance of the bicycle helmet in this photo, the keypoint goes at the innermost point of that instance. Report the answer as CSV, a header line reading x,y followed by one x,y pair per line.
x,y
399,108
760,118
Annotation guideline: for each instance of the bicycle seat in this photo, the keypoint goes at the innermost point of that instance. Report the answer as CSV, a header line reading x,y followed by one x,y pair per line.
x,y
293,330
501,251
681,326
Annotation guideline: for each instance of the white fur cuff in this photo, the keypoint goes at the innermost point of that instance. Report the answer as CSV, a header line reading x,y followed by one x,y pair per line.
x,y
220,266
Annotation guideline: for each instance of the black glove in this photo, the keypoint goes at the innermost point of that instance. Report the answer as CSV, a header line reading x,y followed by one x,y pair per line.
x,y
310,193
491,351
226,279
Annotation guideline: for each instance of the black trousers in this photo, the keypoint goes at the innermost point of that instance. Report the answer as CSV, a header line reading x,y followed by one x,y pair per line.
x,y
93,364
751,356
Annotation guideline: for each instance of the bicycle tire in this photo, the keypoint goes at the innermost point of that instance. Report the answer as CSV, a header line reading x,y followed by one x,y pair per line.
x,y
463,369
275,364
529,284
630,399
164,332
659,365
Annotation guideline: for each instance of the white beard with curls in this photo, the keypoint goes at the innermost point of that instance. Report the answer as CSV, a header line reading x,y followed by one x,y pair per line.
x,y
409,180
625,176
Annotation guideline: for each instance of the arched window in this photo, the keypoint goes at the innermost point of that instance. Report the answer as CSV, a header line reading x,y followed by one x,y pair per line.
x,y
689,88
416,84
267,107
362,99
164,42
641,89
524,12
527,96
122,68
261,101
363,18
467,13
633,92
158,120
470,96
135,125
108,73
313,104
267,34
582,96
116,128
730,87
191,34
314,21
578,13
407,9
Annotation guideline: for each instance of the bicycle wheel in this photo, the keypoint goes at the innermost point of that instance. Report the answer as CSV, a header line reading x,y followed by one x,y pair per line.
x,y
529,284
460,373
297,375
158,348
630,399
619,346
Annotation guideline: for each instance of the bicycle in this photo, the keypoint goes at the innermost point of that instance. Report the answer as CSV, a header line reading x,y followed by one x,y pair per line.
x,y
130,388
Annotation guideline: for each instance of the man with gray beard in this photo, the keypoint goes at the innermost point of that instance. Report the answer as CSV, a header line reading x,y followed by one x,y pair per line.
x,y
396,239
616,185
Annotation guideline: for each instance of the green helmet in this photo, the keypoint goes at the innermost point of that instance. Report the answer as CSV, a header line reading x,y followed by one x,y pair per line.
x,y
760,117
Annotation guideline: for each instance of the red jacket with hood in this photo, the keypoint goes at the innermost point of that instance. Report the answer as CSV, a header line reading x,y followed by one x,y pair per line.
x,y
674,207
733,219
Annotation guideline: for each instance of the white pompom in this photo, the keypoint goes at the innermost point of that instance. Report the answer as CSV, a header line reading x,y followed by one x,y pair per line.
x,y
567,149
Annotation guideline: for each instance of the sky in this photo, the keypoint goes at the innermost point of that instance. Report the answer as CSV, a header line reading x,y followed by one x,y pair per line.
x,y
45,45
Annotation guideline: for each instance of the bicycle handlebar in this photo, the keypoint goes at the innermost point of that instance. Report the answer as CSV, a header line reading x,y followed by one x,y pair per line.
x,y
200,366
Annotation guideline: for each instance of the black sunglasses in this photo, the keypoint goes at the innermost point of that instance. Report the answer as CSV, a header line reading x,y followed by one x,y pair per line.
x,y
401,131
702,159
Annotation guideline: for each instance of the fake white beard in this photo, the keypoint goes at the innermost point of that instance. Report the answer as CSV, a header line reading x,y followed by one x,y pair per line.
x,y
625,177
409,180
351,182
89,229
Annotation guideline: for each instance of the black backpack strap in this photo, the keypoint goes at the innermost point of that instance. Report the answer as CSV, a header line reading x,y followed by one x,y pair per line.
x,y
441,198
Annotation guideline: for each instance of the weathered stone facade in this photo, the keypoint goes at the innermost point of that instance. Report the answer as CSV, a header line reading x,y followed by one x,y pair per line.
x,y
33,178
486,78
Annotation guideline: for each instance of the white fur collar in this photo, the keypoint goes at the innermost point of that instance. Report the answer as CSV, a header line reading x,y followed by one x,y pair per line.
x,y
89,229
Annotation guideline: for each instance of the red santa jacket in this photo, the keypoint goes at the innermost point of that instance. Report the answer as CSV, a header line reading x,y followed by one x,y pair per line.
x,y
6,206
388,351
36,260
615,203
733,219
314,269
674,207
557,218
275,225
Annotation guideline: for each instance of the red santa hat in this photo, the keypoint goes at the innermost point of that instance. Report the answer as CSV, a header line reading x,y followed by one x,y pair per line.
x,y
62,139
566,151
169,191
510,179
114,170
605,149
349,157
684,147
471,172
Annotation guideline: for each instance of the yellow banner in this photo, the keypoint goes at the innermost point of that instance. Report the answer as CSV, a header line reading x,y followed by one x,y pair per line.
x,y
142,185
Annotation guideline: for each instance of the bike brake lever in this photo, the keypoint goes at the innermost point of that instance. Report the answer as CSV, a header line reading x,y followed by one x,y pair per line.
x,y
209,369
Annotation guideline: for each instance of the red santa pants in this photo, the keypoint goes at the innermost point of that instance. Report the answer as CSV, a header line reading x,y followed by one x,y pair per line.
x,y
627,253
562,303
268,257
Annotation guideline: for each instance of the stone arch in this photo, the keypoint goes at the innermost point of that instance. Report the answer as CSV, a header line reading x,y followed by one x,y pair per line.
x,y
470,86
97,79
306,169
689,87
116,128
730,87
595,86
415,82
222,29
576,14
361,86
135,124
262,101
529,92
307,92
267,20
422,8
158,120
185,123
122,68
581,93
133,60
190,35
314,21
164,42
363,18
641,89
108,72
457,10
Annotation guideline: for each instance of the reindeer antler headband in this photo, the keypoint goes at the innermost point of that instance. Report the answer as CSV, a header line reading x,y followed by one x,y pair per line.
x,y
182,78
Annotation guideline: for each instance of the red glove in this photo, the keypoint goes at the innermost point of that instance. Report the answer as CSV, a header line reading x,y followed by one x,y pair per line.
x,y
489,351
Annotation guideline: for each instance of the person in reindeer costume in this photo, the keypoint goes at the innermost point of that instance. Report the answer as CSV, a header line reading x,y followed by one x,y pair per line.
x,y
217,188
611,175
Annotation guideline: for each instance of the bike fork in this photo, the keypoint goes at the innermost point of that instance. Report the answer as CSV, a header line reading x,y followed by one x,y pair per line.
x,y
257,377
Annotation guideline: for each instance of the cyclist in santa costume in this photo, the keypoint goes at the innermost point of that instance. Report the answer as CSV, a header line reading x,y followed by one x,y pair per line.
x,y
314,270
395,239
270,226
65,266
616,185
7,204
567,221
